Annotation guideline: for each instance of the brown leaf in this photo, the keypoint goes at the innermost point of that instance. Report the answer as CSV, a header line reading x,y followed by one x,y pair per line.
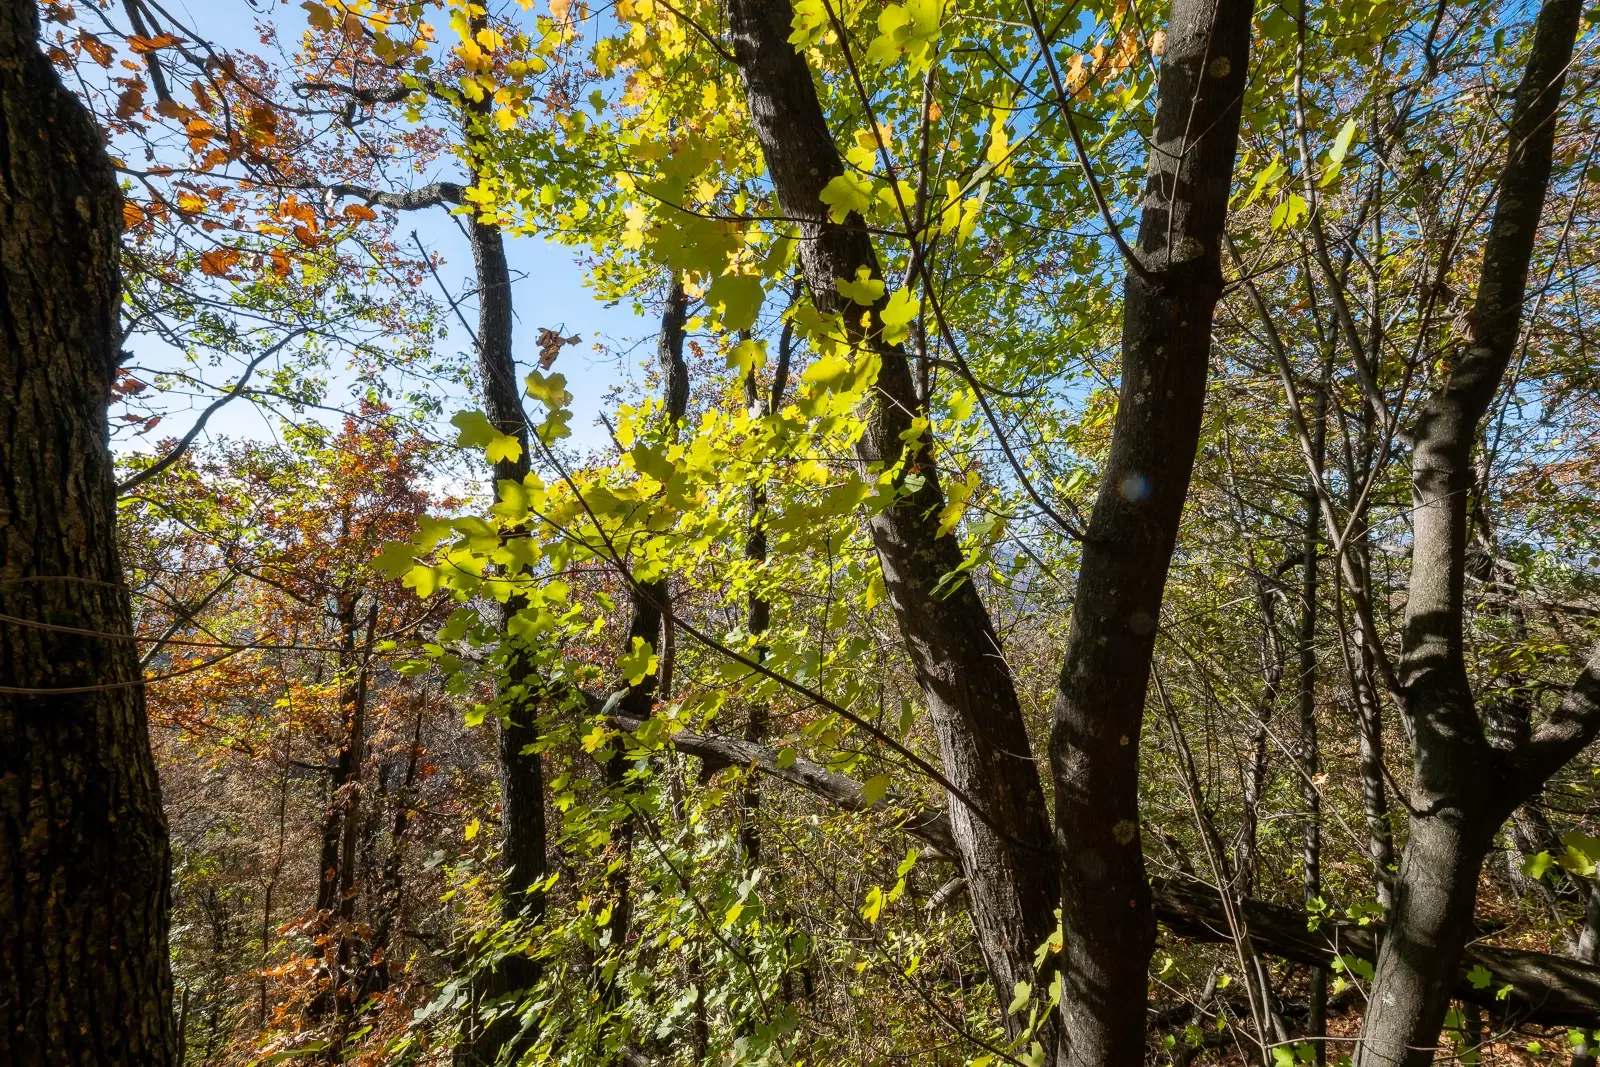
x,y
129,103
550,345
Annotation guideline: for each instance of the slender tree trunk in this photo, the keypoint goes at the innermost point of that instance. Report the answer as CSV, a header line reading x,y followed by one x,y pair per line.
x,y
1099,708
1460,789
519,687
376,976
347,992
1310,756
85,977
651,603
758,613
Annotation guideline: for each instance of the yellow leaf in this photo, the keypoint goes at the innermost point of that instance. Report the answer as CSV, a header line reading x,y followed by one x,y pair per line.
x,y
319,17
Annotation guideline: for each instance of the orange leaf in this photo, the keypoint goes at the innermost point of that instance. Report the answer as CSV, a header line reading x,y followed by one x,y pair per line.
x,y
264,124
150,44
217,262
281,263
129,103
359,211
97,48
132,215
306,235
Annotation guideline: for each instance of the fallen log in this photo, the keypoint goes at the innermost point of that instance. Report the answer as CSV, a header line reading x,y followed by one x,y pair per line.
x,y
1521,986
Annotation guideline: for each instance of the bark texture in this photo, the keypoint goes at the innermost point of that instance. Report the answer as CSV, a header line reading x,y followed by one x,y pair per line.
x,y
84,861
1099,706
1462,788
972,700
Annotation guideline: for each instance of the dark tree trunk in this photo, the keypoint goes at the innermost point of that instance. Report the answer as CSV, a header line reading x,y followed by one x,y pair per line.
x,y
522,817
1310,756
1099,708
651,604
84,866
1461,787
758,612
953,646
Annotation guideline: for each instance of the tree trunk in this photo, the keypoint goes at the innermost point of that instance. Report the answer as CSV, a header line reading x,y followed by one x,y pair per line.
x,y
1099,707
1460,786
1310,756
651,603
522,821
758,614
85,882
951,641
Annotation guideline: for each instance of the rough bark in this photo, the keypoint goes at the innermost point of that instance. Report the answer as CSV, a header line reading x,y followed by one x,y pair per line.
x,y
84,864
1099,707
950,639
1461,788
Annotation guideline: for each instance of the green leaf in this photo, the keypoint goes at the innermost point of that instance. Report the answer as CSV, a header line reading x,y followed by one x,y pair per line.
x,y
1478,976
1019,998
829,372
476,431
873,789
505,447
1290,212
897,316
874,905
864,289
1583,852
845,194
550,390
910,29
638,663
1336,154
737,298
396,558
652,461
746,356
786,757
554,427
810,23
1265,177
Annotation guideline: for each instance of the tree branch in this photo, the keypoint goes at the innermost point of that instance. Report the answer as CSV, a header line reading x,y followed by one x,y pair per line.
x,y
216,405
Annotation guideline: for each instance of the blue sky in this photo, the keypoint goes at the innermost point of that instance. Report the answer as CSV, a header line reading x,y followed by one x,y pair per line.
x,y
548,282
